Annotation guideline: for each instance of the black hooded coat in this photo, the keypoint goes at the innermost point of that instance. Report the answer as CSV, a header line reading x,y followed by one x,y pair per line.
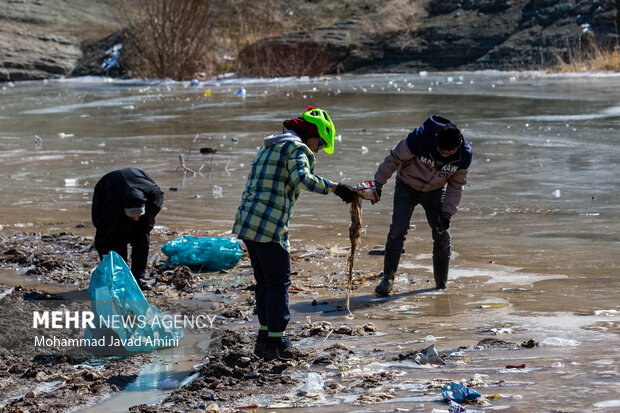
x,y
115,191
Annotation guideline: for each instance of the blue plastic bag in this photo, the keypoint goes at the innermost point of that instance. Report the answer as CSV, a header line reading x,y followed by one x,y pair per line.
x,y
209,254
458,392
120,307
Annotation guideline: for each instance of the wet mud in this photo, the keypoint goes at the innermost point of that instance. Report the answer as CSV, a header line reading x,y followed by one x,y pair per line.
x,y
396,353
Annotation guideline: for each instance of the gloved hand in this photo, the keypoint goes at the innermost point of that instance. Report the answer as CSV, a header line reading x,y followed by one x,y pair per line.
x,y
378,188
443,223
346,193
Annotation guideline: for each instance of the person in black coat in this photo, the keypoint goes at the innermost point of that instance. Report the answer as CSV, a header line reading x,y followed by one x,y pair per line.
x,y
125,203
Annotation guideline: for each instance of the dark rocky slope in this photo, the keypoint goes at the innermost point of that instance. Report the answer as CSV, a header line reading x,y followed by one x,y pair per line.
x,y
41,39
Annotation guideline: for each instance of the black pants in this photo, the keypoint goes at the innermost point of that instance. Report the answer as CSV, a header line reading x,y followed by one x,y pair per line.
x,y
272,271
405,200
139,241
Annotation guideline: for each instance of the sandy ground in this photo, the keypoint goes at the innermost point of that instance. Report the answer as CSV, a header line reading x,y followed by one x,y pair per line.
x,y
379,359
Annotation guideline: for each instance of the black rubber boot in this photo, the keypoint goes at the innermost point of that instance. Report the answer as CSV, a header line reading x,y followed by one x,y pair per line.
x,y
440,271
390,264
259,347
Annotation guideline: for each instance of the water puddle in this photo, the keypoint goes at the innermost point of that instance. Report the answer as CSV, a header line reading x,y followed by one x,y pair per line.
x,y
171,368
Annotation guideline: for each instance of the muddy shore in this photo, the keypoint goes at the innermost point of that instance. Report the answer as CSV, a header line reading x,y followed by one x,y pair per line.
x,y
382,358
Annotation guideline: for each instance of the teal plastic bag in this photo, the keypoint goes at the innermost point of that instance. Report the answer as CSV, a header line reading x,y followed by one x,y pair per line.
x,y
204,253
122,314
458,392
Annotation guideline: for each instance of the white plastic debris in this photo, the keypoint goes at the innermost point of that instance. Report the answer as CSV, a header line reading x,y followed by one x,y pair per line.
x,y
606,313
313,384
217,192
7,292
557,193
559,342
364,149
70,182
241,92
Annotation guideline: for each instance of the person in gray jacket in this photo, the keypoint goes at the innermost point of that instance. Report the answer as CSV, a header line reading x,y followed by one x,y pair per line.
x,y
431,166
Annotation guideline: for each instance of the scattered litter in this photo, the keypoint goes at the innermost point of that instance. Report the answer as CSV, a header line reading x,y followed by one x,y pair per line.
x,y
62,135
194,82
37,141
234,140
111,61
173,189
70,182
559,342
248,406
458,392
169,384
217,192
427,356
606,313
493,305
557,193
500,331
241,92
516,366
491,262
208,93
313,384
455,407
7,292
205,253
208,150
364,149
557,365
493,396
413,312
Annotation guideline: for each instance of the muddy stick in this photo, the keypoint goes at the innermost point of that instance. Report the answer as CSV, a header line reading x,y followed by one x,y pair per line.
x,y
355,231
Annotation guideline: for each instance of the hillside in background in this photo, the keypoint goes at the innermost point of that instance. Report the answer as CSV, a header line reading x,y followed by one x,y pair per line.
x,y
40,40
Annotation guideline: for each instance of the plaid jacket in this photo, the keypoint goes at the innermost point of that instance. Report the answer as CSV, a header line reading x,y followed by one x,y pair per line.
x,y
280,171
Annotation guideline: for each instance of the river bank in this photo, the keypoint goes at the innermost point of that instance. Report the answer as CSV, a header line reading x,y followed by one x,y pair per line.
x,y
294,38
376,359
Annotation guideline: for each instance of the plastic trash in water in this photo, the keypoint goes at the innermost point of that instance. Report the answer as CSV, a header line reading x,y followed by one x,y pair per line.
x,y
557,193
559,342
217,192
314,383
455,407
458,392
241,92
208,93
37,141
205,253
62,135
194,82
428,355
115,295
169,384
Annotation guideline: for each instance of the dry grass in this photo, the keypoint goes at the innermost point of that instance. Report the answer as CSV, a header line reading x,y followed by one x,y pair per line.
x,y
589,56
